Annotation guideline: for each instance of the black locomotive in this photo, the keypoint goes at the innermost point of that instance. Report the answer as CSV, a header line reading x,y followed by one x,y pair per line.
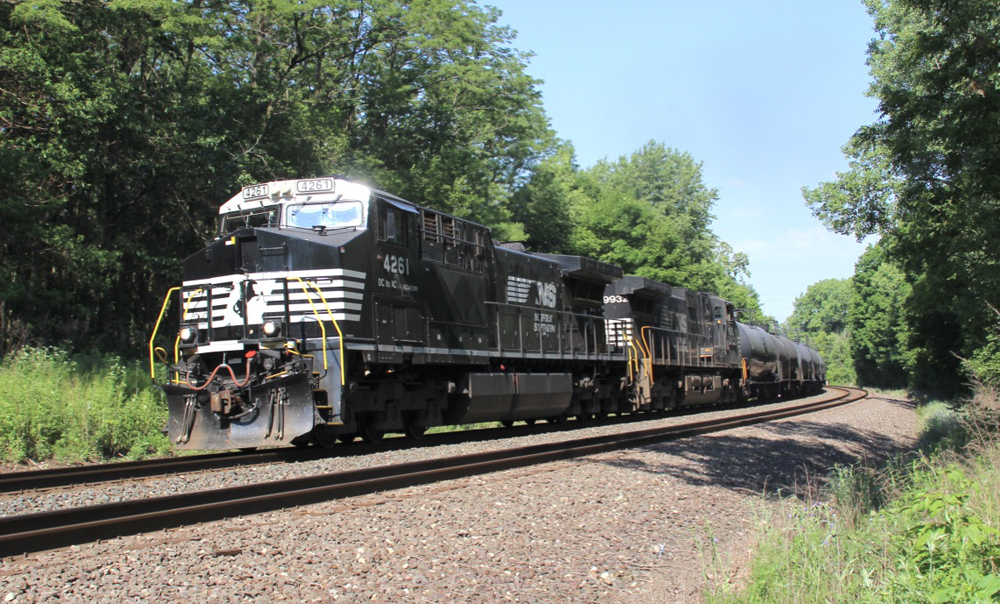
x,y
327,310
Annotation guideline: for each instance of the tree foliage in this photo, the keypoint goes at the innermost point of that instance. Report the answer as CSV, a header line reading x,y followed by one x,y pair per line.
x,y
879,334
820,318
543,204
822,308
662,187
648,212
926,175
124,124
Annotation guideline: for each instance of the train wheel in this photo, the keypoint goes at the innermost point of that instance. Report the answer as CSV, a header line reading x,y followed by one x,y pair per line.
x,y
323,439
415,432
507,424
556,419
370,434
530,422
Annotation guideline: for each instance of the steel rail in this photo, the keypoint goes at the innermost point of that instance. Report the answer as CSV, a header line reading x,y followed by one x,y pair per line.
x,y
92,474
51,530
127,470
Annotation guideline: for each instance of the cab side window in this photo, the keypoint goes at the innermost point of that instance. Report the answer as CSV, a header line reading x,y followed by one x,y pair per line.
x,y
392,225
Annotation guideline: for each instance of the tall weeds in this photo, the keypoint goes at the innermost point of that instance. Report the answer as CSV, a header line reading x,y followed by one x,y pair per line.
x,y
55,406
923,529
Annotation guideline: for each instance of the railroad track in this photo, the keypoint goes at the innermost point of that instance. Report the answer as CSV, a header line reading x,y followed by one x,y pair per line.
x,y
75,476
50,530
115,472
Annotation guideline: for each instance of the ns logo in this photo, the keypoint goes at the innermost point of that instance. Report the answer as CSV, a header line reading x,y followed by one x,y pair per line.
x,y
519,291
546,294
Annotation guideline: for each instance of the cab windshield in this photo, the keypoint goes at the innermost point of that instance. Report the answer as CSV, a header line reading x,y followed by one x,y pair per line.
x,y
239,220
330,215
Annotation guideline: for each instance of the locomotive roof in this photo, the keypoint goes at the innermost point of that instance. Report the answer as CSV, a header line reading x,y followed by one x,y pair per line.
x,y
272,193
632,284
586,268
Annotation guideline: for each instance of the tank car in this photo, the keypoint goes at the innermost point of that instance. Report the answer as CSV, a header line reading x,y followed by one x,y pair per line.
x,y
774,366
325,310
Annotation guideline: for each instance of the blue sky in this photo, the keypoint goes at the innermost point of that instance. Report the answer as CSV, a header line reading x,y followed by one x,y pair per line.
x,y
764,94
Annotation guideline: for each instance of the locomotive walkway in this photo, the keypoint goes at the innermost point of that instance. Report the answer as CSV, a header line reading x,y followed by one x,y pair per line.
x,y
50,530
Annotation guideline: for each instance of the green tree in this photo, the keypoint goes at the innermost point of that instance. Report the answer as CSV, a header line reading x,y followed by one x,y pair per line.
x,y
107,152
650,212
926,175
446,114
820,318
125,124
879,333
835,348
732,282
822,308
544,203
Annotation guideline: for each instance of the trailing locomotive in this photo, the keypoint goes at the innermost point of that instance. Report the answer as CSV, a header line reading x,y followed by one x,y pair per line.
x,y
325,310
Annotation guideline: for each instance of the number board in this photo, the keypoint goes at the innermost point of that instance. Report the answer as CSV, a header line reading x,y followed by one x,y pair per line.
x,y
314,185
255,191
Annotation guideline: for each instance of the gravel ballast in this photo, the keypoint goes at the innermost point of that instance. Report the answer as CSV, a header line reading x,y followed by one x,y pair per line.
x,y
630,526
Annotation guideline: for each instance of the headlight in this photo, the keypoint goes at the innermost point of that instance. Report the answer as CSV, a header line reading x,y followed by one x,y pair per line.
x,y
188,334
271,328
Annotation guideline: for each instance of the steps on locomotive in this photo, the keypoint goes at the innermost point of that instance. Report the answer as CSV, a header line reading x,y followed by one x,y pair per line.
x,y
325,410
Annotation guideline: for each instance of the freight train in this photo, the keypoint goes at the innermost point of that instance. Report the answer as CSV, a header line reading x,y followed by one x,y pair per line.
x,y
326,310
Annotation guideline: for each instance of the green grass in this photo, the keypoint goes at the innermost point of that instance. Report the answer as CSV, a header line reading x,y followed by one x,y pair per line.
x,y
895,393
53,406
922,529
462,427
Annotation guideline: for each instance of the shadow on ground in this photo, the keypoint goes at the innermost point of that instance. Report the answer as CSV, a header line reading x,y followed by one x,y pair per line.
x,y
792,457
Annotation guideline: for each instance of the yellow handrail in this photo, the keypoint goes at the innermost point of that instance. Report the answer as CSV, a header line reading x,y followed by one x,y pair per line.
x,y
326,305
163,309
340,334
649,352
628,354
642,340
637,352
322,328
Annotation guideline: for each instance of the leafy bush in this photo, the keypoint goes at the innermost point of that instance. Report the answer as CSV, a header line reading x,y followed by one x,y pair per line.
x,y
53,406
985,361
947,554
922,531
942,428
856,491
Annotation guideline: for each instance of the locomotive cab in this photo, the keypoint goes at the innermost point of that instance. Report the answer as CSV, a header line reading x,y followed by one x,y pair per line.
x,y
265,310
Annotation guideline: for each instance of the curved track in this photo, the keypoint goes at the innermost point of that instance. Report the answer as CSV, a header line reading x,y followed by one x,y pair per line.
x,y
50,530
75,476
